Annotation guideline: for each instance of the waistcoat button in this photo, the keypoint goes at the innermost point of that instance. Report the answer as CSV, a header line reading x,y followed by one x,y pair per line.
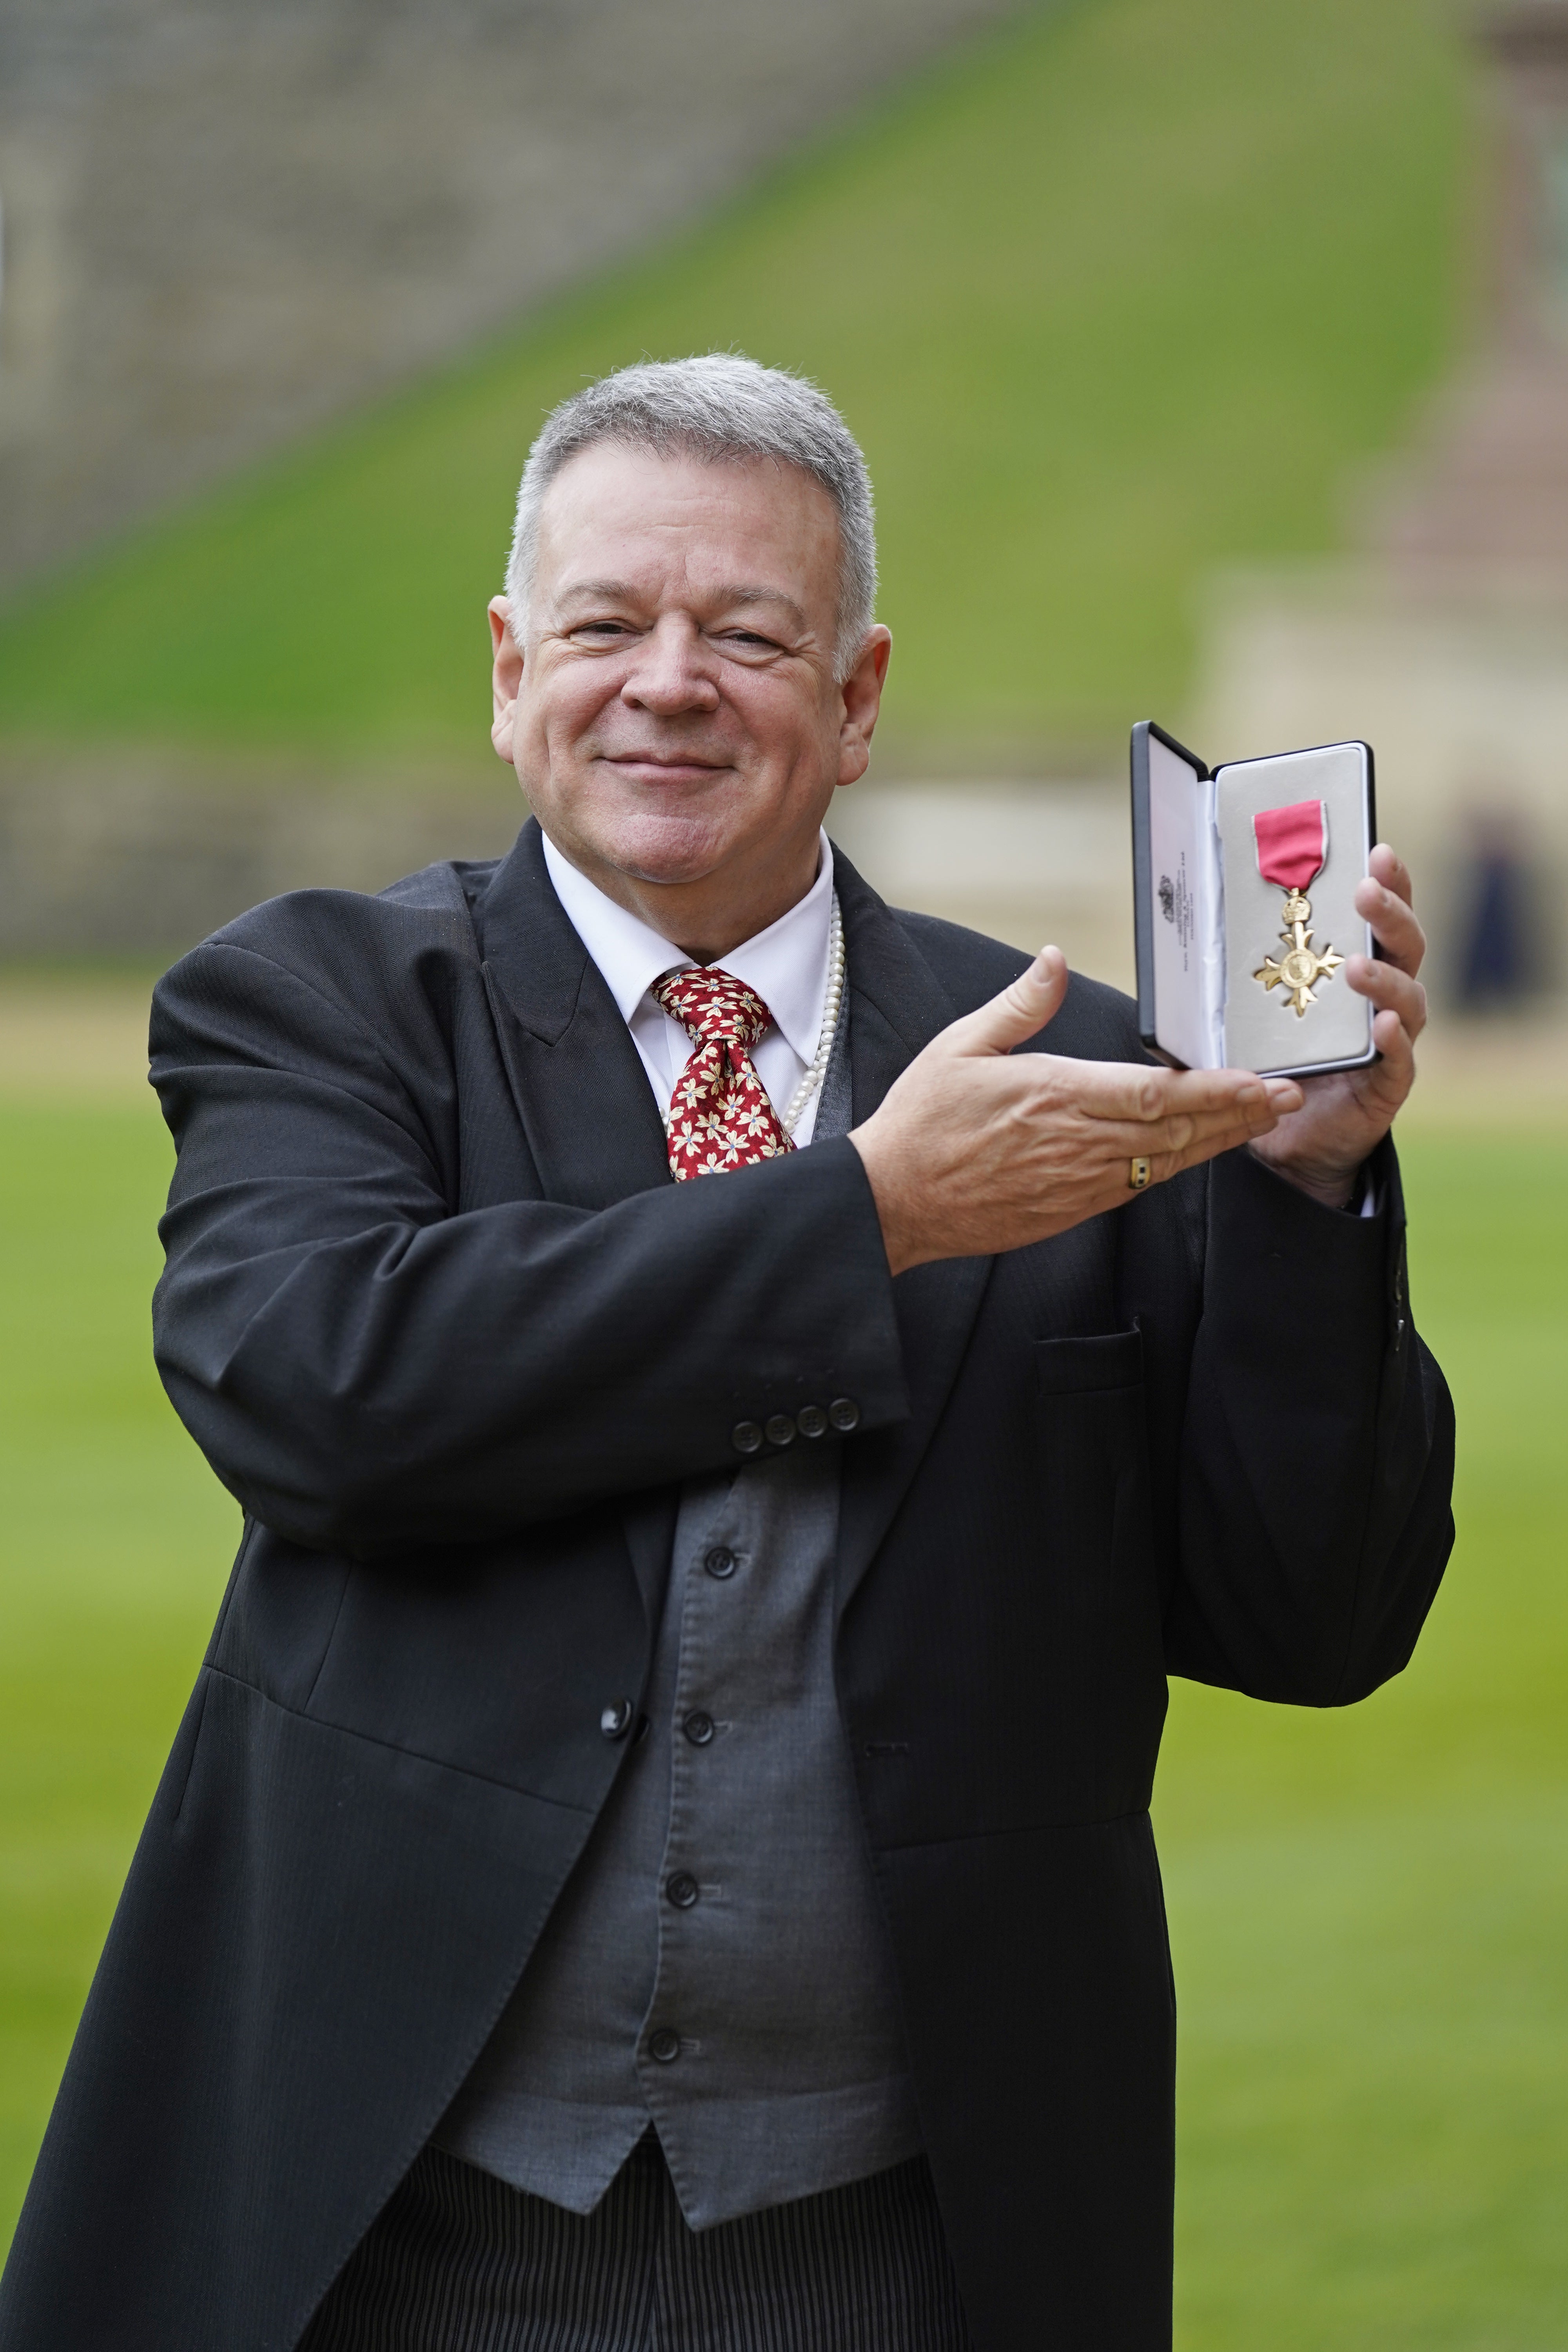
x,y
746,1437
844,1412
720,1562
683,1890
665,2045
781,1430
617,1719
811,1421
698,1728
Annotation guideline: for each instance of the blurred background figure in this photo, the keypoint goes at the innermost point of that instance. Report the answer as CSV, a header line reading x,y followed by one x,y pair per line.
x,y
1499,967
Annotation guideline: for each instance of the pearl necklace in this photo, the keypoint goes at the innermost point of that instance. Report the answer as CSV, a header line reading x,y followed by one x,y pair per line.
x,y
818,1069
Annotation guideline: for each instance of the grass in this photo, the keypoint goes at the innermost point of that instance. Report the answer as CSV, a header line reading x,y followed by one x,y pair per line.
x,y
113,1546
1118,293
1370,1910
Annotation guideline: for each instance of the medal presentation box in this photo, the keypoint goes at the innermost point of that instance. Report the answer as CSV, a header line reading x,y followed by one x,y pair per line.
x,y
1243,906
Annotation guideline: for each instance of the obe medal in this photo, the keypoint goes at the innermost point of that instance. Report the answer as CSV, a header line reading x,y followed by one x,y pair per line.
x,y
1292,850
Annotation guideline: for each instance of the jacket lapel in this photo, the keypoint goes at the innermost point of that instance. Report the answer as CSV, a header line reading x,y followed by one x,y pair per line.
x,y
581,1093
579,1085
896,1007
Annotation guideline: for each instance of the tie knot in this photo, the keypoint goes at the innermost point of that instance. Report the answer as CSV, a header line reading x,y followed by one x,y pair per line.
x,y
712,1006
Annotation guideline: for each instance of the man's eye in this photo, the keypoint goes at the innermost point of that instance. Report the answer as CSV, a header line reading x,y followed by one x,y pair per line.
x,y
601,629
748,641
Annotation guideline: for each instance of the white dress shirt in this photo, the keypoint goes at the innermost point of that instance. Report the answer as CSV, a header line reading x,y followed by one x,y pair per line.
x,y
787,966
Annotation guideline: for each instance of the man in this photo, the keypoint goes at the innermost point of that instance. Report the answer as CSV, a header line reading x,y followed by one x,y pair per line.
x,y
659,1853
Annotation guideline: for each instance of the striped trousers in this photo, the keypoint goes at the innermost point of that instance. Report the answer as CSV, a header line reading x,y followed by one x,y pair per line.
x,y
459,2263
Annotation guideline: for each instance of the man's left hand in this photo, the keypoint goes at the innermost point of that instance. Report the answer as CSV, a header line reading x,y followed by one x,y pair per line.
x,y
1347,1113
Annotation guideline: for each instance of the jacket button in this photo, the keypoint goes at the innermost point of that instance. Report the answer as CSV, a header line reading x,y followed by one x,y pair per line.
x,y
811,1421
665,2045
844,1412
781,1430
617,1719
683,1890
698,1727
746,1437
720,1562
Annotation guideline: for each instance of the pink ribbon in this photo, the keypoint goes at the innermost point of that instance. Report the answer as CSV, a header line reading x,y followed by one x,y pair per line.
x,y
1292,843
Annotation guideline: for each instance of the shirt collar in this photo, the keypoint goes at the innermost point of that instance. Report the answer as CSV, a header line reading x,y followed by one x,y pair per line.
x,y
786,964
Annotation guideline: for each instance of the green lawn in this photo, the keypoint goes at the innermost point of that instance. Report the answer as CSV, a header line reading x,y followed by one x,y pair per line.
x,y
1118,293
1370,1910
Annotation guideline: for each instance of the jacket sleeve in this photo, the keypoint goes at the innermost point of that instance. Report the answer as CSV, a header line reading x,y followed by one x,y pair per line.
x,y
368,1371
1316,1457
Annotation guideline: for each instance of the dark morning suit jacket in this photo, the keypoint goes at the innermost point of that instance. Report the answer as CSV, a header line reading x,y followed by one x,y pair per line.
x,y
440,1320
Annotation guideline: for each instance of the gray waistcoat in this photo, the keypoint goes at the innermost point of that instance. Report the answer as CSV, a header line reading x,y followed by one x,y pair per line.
x,y
718,1962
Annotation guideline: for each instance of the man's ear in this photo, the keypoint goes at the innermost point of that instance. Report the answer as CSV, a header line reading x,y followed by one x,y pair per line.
x,y
862,693
506,677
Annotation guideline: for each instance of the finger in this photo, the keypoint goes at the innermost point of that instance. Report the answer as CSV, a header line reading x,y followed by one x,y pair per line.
x,y
1390,990
1389,1081
1185,1142
1020,1013
1255,1111
1164,1165
1129,1090
1400,938
1387,867
1217,1130
1284,1095
1228,1099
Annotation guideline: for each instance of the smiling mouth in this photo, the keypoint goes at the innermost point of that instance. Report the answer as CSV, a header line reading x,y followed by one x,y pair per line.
x,y
673,763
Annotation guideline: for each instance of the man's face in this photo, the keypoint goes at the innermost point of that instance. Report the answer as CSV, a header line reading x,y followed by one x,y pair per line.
x,y
672,713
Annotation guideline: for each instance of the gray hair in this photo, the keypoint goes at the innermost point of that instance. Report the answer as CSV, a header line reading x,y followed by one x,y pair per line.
x,y
716,406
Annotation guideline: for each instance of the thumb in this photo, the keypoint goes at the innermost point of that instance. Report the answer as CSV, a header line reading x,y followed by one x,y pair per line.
x,y
1021,1011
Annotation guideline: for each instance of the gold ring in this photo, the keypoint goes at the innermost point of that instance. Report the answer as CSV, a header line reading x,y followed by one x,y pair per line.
x,y
1137,1173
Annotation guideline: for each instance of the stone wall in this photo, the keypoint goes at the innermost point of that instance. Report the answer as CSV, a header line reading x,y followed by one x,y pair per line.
x,y
135,864
224,223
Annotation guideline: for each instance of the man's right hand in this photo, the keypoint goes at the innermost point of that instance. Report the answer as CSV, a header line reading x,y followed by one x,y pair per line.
x,y
977,1150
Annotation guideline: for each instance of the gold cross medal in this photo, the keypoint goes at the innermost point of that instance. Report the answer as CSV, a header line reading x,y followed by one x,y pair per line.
x,y
1292,850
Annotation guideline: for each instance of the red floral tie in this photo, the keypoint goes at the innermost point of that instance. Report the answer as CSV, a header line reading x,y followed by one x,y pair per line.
x,y
720,1114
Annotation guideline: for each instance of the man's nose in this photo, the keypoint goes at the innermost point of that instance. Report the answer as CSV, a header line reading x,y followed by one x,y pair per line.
x,y
672,671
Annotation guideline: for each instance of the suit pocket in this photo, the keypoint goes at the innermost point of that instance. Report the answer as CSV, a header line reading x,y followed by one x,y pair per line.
x,y
1095,1582
1093,1456
1110,1360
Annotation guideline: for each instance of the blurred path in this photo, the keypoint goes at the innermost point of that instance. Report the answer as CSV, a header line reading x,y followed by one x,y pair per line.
x,y
66,1036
